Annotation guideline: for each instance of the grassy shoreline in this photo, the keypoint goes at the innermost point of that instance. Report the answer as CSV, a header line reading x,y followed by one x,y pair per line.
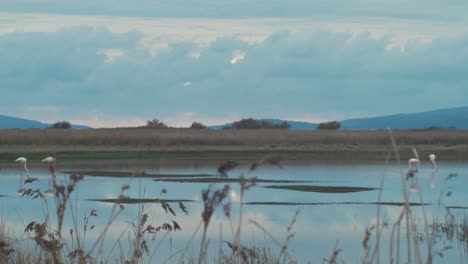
x,y
199,145
222,155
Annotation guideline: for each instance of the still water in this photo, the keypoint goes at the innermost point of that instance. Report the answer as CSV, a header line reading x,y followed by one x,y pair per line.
x,y
319,227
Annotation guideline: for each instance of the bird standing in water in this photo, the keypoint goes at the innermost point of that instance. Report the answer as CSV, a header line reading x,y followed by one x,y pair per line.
x,y
413,168
22,162
435,169
52,170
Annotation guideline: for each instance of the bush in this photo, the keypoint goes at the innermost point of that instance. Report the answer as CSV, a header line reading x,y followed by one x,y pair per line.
x,y
62,124
155,123
333,125
250,123
197,125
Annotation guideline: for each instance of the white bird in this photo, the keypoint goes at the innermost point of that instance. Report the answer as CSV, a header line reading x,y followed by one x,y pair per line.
x,y
51,162
432,158
413,167
22,162
413,164
435,169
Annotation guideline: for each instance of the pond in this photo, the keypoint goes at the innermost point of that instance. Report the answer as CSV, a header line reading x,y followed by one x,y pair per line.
x,y
337,202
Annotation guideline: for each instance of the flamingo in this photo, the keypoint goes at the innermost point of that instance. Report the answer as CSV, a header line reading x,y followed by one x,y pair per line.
x,y
413,164
432,158
435,169
22,161
51,162
413,167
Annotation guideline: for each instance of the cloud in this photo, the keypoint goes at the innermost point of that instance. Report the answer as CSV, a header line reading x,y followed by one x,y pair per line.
x,y
111,54
289,74
448,10
187,84
237,56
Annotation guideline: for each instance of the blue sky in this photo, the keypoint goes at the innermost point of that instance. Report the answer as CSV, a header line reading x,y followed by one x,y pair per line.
x,y
118,63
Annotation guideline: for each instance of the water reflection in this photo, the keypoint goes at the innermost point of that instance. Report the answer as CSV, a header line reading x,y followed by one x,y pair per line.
x,y
324,218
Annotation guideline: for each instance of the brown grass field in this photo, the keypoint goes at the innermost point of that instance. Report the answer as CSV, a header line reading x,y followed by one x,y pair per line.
x,y
147,144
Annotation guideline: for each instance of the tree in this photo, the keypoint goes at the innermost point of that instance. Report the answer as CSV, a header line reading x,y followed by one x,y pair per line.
x,y
197,125
284,125
250,123
61,124
333,125
155,123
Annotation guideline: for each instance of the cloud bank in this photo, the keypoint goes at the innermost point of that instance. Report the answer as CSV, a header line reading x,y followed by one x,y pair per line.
x,y
84,71
452,10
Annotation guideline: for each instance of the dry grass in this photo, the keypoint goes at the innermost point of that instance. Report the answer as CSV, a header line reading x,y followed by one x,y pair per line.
x,y
190,144
140,137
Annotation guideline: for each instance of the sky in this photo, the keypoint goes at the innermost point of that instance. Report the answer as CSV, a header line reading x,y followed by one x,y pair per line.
x,y
107,63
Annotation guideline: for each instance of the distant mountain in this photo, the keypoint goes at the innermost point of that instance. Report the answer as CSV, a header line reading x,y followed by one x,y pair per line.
x,y
14,122
443,118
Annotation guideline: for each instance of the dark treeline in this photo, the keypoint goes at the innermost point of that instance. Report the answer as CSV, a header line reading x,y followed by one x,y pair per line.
x,y
333,125
250,123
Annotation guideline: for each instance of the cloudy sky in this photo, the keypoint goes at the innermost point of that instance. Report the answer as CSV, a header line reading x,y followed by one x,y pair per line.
x,y
118,63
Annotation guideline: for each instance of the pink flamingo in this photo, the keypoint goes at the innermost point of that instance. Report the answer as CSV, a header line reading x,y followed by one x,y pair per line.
x,y
52,170
22,162
413,168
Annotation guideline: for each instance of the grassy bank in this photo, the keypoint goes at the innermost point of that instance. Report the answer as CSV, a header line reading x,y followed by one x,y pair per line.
x,y
170,144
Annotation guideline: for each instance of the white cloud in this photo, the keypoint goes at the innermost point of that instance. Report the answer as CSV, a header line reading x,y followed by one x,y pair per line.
x,y
237,56
206,30
97,120
111,54
194,55
450,10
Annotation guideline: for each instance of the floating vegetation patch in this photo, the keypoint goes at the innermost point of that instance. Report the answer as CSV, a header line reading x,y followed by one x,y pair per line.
x,y
321,189
137,174
457,207
227,180
336,203
141,200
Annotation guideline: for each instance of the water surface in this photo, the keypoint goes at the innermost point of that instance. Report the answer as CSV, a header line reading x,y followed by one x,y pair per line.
x,y
324,219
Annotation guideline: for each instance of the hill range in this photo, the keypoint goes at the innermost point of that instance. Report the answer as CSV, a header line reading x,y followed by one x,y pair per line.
x,y
15,122
442,118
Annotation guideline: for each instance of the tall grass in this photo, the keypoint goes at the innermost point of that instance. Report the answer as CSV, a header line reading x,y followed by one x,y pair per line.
x,y
139,137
